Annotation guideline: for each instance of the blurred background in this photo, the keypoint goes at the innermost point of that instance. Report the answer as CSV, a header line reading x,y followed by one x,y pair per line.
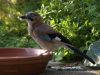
x,y
78,20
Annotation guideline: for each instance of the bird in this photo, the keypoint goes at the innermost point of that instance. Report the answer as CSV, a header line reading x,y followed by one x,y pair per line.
x,y
47,37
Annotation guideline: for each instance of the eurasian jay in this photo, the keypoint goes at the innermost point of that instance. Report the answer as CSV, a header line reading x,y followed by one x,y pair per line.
x,y
46,36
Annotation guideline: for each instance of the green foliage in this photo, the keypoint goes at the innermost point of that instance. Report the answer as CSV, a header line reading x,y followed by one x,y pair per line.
x,y
78,20
13,32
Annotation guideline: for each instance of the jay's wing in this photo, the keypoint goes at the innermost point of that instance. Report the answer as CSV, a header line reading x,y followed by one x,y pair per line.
x,y
60,37
48,34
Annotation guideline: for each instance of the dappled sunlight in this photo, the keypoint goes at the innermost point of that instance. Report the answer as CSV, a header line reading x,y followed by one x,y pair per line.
x,y
13,1
12,29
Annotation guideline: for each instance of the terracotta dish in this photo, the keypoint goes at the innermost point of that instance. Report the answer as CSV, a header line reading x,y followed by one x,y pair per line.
x,y
23,61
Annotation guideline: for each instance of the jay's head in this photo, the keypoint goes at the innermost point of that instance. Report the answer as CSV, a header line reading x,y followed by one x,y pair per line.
x,y
32,17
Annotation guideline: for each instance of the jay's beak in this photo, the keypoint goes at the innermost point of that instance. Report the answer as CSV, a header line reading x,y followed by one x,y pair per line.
x,y
22,17
25,17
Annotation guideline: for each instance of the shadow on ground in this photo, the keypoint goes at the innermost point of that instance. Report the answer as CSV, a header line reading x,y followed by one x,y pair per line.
x,y
48,72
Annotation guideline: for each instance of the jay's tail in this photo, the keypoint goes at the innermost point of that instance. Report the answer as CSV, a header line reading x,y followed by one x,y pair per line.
x,y
76,50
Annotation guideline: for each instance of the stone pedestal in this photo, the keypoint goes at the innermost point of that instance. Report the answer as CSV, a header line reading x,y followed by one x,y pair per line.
x,y
94,53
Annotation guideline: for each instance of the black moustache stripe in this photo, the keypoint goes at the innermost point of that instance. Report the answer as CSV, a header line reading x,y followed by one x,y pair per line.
x,y
30,18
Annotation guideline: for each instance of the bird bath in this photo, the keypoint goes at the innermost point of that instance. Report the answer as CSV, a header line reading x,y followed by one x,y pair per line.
x,y
23,61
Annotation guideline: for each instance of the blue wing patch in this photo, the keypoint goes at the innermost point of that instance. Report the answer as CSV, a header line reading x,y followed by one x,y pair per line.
x,y
45,37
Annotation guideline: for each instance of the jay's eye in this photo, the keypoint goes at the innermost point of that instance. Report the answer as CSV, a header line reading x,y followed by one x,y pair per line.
x,y
32,14
30,18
